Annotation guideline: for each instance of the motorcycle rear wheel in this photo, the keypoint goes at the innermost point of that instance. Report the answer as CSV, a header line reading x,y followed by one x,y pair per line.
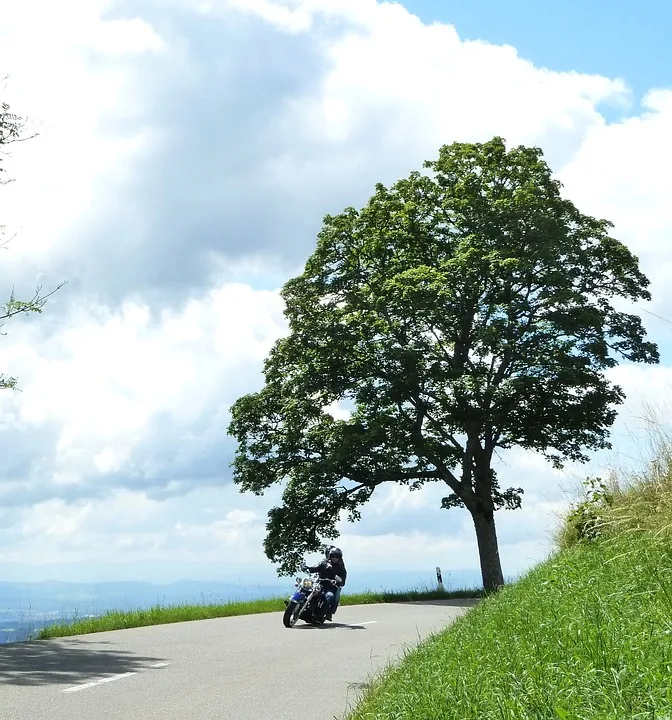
x,y
291,614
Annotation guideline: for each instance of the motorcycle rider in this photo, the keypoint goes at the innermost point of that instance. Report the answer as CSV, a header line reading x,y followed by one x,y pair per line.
x,y
332,569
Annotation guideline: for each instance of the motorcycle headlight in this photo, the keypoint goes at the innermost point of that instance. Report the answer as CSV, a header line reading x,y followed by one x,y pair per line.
x,y
307,583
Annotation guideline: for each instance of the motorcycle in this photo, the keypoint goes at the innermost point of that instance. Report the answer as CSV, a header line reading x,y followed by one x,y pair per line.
x,y
307,602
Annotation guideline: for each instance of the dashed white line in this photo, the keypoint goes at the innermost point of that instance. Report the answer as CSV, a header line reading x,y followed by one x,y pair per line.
x,y
369,622
109,678
93,683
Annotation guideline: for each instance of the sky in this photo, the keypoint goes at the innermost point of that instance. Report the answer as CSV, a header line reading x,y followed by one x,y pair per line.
x,y
187,153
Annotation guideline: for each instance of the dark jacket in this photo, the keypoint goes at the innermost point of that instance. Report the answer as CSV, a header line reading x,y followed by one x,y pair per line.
x,y
328,571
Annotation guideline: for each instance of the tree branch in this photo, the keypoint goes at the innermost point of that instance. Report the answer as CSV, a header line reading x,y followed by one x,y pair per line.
x,y
449,478
392,477
16,307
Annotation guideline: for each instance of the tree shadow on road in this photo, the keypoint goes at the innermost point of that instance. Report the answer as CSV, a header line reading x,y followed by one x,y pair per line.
x,y
54,662
459,602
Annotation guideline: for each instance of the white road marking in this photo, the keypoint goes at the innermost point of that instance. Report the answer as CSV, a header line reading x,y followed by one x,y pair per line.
x,y
110,678
369,622
93,683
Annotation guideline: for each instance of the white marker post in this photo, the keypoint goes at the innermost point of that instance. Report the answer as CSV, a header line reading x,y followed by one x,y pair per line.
x,y
439,579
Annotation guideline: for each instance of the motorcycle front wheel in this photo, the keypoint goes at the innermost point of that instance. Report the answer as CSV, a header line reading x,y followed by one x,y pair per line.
x,y
291,614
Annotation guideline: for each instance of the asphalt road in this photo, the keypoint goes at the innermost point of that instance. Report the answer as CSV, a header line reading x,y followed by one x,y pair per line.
x,y
225,669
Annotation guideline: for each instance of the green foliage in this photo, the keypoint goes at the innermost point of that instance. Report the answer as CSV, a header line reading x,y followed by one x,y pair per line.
x,y
18,307
11,128
627,504
584,520
458,312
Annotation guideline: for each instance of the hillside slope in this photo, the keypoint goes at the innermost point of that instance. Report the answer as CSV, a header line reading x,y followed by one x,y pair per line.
x,y
587,634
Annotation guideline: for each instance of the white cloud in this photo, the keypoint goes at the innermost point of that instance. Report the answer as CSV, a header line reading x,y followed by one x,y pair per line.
x,y
337,412
211,530
280,15
106,378
396,89
621,172
70,74
125,403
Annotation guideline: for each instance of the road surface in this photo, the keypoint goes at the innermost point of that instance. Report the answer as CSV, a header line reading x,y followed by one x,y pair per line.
x,y
224,669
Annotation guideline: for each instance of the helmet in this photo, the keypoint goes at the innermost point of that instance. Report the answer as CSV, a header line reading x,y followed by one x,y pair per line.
x,y
335,552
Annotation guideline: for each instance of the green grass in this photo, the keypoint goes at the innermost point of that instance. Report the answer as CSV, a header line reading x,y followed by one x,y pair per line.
x,y
585,635
164,614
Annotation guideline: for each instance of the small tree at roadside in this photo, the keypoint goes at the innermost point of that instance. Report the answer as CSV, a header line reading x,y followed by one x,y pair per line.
x,y
11,130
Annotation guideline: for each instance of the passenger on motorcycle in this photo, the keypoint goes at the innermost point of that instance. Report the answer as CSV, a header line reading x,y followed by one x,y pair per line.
x,y
333,571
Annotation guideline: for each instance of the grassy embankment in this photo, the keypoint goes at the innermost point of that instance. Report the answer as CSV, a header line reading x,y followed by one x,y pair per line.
x,y
587,634
164,614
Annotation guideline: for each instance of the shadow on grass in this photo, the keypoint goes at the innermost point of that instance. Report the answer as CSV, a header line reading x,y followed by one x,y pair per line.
x,y
56,662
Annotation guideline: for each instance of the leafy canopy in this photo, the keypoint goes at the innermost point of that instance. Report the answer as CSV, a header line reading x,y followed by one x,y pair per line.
x,y
460,311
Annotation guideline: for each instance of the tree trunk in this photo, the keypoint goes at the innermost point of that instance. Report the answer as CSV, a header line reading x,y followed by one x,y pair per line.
x,y
488,549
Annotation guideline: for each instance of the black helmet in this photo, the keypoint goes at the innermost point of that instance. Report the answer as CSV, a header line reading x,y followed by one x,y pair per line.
x,y
335,552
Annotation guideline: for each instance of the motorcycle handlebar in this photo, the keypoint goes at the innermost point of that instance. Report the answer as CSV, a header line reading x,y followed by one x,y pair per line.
x,y
323,580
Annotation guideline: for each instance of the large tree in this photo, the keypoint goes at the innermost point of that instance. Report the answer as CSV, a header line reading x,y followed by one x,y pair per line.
x,y
462,311
11,131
